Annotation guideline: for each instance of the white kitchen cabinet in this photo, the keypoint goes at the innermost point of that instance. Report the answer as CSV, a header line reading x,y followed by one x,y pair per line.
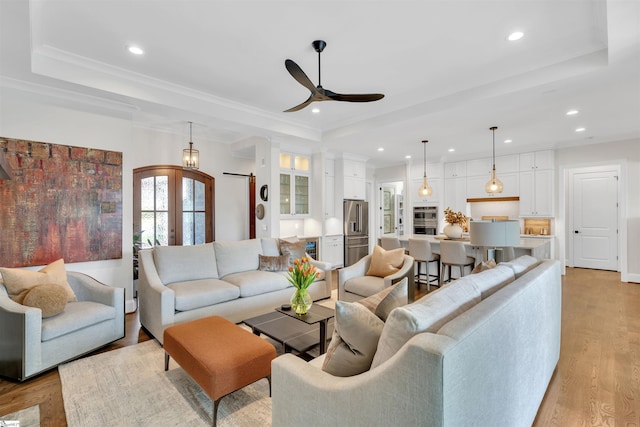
x,y
294,185
455,169
355,169
508,164
455,194
329,196
479,167
536,193
434,170
355,188
536,160
476,185
333,250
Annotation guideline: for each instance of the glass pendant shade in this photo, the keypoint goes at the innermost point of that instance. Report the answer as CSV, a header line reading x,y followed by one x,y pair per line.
x,y
425,189
494,185
190,156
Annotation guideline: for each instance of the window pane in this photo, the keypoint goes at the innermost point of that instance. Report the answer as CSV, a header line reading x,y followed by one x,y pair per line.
x,y
147,224
162,193
187,228
285,190
162,228
199,198
301,163
187,194
200,228
302,194
147,194
285,161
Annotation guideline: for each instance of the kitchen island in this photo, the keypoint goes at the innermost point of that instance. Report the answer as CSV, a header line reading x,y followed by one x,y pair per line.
x,y
536,247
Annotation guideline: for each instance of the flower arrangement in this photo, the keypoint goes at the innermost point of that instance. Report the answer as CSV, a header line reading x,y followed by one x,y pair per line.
x,y
452,218
302,273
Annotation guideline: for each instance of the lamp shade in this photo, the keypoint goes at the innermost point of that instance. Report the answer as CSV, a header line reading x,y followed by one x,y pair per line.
x,y
494,233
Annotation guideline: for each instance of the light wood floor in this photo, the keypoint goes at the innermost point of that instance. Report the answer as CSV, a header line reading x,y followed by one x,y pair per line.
x,y
597,381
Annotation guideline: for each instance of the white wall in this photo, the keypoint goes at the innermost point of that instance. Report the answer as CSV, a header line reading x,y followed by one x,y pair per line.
x,y
620,152
37,118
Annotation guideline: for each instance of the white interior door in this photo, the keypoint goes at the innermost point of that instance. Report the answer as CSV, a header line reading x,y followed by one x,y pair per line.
x,y
595,219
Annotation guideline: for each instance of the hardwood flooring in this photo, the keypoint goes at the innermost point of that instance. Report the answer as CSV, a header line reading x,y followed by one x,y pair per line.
x,y
596,382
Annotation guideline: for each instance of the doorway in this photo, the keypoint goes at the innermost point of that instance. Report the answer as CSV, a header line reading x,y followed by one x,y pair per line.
x,y
391,207
593,217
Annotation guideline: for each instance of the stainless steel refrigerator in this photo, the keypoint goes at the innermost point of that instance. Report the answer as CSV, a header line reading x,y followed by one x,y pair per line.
x,y
356,231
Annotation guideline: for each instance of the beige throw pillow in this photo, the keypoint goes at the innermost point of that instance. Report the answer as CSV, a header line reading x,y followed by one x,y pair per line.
x,y
18,281
274,263
385,263
354,341
293,250
383,302
50,299
484,265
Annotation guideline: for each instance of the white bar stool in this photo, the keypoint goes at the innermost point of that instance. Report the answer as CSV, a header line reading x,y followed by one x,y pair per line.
x,y
420,250
454,253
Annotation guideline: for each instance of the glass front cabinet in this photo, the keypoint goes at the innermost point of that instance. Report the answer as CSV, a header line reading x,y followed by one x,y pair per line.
x,y
295,181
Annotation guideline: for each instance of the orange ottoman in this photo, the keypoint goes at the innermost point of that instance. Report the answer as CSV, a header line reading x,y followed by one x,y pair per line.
x,y
219,355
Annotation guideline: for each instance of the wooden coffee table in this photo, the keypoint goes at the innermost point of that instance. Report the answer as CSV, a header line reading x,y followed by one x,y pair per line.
x,y
299,333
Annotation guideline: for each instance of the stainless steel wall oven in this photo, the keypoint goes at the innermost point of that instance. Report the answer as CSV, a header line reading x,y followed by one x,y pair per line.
x,y
425,220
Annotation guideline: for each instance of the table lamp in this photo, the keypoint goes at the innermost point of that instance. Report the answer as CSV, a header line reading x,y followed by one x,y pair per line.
x,y
492,235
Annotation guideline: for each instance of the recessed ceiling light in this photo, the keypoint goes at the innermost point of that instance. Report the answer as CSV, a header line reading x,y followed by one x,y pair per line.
x,y
315,110
380,149
572,112
451,150
580,129
508,141
407,156
135,50
517,35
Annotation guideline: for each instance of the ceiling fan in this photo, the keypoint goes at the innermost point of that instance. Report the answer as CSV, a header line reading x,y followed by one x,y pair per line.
x,y
318,93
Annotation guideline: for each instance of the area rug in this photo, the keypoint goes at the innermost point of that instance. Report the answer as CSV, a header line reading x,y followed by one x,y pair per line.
x,y
129,387
29,417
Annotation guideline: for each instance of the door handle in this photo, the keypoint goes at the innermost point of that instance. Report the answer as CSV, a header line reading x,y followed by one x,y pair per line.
x,y
576,231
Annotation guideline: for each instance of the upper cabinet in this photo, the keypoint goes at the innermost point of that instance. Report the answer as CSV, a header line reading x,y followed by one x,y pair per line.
x,y
295,181
355,173
455,170
479,167
536,160
355,169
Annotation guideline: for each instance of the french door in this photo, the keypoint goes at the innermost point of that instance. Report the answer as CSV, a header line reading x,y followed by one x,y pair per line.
x,y
172,206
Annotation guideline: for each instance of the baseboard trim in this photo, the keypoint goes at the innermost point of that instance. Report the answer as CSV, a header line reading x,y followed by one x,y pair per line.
x,y
632,277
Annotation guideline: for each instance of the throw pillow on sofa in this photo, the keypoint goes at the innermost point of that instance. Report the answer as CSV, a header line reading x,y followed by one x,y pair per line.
x,y
484,265
385,263
50,299
19,281
273,263
293,250
358,326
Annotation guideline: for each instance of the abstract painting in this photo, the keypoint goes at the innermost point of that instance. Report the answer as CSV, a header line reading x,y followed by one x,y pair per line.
x,y
61,202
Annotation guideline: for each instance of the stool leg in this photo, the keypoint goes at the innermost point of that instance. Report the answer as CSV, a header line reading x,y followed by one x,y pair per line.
x,y
166,361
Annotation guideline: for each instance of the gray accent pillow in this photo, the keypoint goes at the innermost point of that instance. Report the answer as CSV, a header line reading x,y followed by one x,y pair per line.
x,y
273,263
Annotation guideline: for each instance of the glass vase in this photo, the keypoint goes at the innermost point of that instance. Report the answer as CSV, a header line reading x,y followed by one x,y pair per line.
x,y
301,302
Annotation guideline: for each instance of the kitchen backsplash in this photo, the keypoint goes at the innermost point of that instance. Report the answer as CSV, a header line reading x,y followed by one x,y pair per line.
x,y
537,226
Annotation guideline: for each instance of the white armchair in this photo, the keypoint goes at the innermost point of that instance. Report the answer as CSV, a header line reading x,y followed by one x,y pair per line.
x,y
30,344
354,284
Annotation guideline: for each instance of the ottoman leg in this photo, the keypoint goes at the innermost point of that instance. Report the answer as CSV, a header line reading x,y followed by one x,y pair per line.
x,y
166,361
269,379
215,411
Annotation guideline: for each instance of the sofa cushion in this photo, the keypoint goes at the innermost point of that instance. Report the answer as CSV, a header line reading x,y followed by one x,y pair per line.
x,y
364,285
270,246
385,263
354,341
235,257
293,250
428,314
258,282
273,263
521,264
182,263
492,280
383,302
18,281
76,315
50,299
202,293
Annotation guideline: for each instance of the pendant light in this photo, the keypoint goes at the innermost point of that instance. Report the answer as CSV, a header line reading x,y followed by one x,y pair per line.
x,y
190,156
425,189
494,185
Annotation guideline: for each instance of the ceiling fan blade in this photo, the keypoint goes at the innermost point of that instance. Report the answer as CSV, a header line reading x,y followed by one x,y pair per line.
x,y
301,106
297,73
368,97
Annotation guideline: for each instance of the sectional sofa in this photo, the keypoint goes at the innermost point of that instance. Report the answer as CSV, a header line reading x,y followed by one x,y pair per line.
x,y
479,351
235,279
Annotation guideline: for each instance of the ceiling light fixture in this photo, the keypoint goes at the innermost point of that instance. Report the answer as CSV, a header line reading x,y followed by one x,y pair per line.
x,y
580,129
135,50
517,35
190,156
572,112
494,185
315,110
425,189
380,149
451,150
407,156
508,141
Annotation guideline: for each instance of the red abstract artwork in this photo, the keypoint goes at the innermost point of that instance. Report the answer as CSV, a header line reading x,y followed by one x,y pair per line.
x,y
61,202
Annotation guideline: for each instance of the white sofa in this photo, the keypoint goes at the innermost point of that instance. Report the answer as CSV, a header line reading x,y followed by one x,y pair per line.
x,y
490,345
182,283
30,344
